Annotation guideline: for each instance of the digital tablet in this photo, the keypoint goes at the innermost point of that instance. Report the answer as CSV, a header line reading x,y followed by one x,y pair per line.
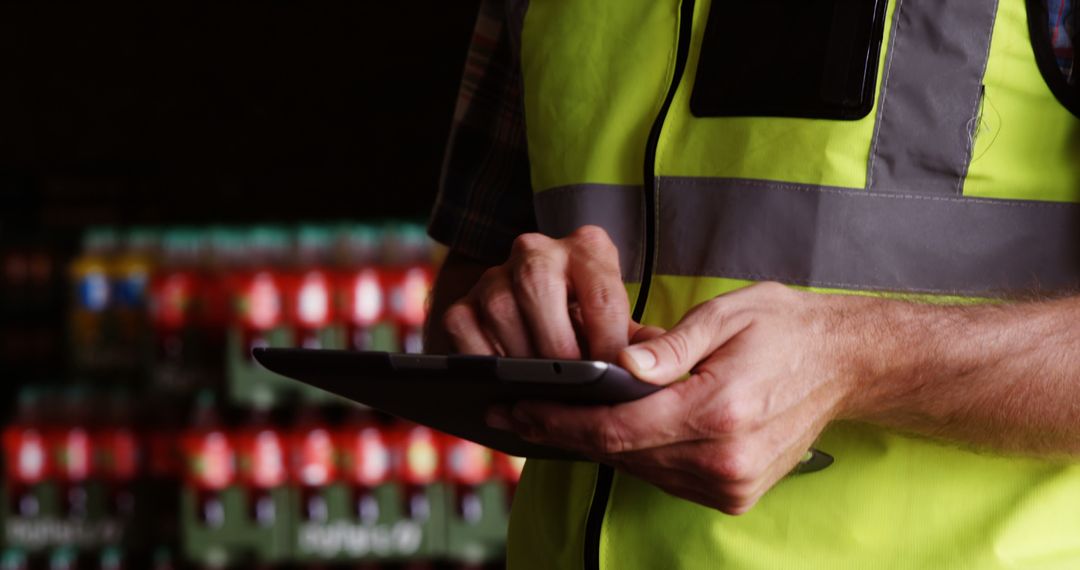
x,y
453,393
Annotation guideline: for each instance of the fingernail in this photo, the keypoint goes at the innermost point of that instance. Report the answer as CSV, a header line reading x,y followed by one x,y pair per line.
x,y
643,359
499,419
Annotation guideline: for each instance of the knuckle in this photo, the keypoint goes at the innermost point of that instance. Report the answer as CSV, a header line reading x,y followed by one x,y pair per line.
x,y
529,242
456,319
772,289
714,313
500,306
590,233
593,240
731,416
729,468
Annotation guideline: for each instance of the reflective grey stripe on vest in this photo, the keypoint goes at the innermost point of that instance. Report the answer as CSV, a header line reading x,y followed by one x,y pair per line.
x,y
618,209
930,93
834,237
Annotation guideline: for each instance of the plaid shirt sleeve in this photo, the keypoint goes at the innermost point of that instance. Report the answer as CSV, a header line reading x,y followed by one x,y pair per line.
x,y
484,198
1062,22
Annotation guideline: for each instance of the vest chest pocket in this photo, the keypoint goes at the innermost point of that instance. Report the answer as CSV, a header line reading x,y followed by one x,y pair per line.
x,y
790,58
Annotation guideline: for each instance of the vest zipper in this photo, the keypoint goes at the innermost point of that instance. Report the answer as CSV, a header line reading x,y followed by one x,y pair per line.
x,y
605,475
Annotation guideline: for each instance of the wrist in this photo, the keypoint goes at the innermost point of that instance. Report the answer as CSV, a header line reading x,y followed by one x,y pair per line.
x,y
886,353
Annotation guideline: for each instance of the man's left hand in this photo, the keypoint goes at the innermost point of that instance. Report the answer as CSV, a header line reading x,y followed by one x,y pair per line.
x,y
768,370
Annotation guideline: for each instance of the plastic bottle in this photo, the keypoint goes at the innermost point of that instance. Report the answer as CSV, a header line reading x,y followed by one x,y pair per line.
x,y
313,458
366,461
467,465
26,454
73,452
118,454
262,459
131,273
210,458
418,451
224,255
408,254
259,287
311,307
91,300
174,303
360,285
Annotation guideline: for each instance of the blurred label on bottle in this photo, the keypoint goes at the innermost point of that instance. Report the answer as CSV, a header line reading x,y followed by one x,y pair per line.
x,y
264,454
27,457
260,305
92,289
211,461
73,455
409,296
369,456
421,456
313,300
468,463
367,298
315,459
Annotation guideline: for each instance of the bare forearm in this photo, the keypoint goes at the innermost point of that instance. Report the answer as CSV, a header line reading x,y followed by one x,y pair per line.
x,y
1004,377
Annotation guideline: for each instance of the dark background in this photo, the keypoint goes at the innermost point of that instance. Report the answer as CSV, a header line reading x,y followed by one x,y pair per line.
x,y
218,112
199,113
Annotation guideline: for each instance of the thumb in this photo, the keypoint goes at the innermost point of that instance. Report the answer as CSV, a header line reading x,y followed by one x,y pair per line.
x,y
671,355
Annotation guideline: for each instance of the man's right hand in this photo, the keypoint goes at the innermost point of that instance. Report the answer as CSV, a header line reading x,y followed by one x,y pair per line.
x,y
548,291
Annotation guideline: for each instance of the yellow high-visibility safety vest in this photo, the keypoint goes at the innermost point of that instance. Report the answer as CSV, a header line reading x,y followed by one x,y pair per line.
x,y
962,181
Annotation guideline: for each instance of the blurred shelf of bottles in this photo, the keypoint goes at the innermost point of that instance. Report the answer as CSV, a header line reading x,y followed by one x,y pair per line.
x,y
173,449
171,306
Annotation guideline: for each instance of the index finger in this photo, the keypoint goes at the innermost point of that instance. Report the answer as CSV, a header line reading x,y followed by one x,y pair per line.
x,y
597,285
